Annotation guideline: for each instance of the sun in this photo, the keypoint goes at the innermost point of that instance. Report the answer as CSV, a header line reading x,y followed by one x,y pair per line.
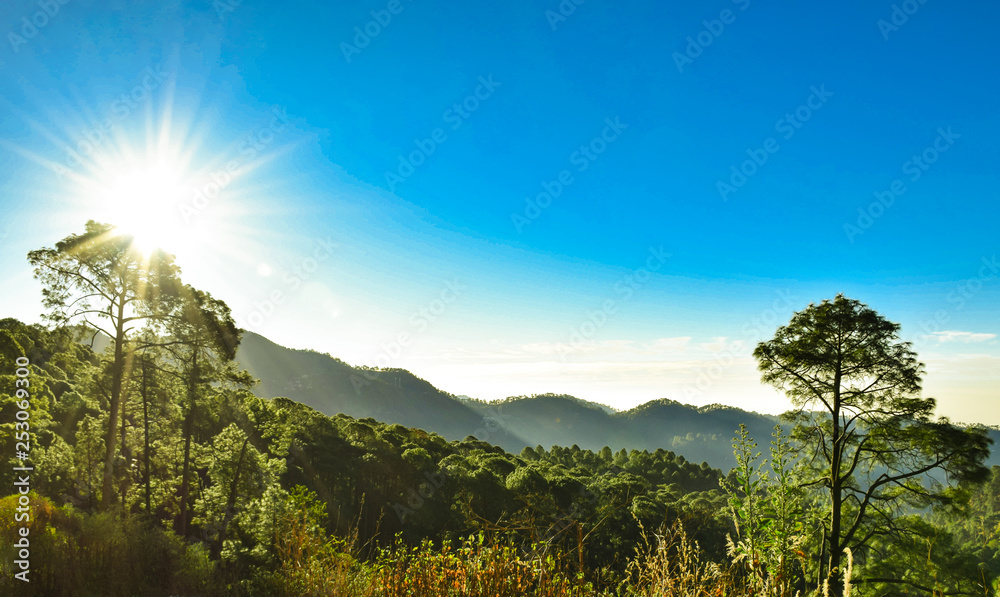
x,y
170,186
142,200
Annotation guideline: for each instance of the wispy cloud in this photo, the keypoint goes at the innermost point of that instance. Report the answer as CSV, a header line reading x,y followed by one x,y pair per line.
x,y
678,344
957,336
613,350
720,343
590,347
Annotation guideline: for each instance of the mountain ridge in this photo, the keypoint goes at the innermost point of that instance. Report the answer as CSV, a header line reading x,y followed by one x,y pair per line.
x,y
331,386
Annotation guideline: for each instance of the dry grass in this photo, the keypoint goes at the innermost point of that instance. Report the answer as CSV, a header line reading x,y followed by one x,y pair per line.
x,y
474,569
669,564
672,565
83,553
313,565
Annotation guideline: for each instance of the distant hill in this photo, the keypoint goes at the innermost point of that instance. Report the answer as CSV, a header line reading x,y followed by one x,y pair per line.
x,y
699,434
332,386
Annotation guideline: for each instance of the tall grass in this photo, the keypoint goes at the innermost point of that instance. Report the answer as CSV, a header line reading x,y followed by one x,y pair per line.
x,y
78,555
476,568
314,564
104,554
672,564
669,564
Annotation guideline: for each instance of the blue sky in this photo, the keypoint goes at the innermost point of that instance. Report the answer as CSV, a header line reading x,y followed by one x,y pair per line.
x,y
709,169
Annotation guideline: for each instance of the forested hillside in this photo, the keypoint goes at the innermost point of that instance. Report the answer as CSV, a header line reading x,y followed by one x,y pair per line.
x,y
395,395
331,386
373,481
255,462
151,467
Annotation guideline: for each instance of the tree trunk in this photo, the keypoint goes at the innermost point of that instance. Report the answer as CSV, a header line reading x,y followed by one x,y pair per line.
x,y
122,408
185,474
322,490
145,432
836,489
188,431
230,504
821,562
579,546
117,371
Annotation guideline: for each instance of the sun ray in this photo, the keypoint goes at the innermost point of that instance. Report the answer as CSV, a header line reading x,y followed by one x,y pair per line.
x,y
170,180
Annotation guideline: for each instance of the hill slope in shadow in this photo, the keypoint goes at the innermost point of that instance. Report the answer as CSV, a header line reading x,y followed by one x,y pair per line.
x,y
332,386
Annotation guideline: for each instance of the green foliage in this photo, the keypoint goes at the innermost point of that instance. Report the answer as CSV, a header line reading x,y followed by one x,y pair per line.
x,y
83,555
397,396
214,490
873,448
10,350
475,568
766,508
101,281
527,481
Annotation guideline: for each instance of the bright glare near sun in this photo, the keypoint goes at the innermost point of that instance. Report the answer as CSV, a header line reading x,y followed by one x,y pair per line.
x,y
170,185
142,202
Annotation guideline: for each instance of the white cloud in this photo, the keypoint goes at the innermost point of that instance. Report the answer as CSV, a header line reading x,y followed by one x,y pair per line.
x,y
617,350
722,343
658,348
678,344
588,347
957,336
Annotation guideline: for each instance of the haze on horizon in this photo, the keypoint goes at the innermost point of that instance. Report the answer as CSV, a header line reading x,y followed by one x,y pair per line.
x,y
616,203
